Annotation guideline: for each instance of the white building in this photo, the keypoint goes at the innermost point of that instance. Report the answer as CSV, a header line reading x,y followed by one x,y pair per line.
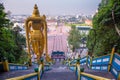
x,y
84,29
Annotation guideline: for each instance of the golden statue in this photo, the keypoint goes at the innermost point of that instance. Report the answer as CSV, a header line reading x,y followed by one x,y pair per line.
x,y
36,33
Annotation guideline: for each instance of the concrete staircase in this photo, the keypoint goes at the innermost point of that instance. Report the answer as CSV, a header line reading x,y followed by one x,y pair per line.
x,y
12,74
105,74
59,76
59,72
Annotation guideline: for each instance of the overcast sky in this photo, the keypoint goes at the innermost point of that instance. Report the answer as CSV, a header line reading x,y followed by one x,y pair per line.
x,y
52,7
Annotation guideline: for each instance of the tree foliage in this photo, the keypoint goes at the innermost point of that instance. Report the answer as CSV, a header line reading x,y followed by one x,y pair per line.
x,y
74,38
106,36
11,41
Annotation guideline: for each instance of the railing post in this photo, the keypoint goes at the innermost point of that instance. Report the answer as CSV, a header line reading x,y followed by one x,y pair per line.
x,y
90,58
40,67
69,62
90,62
87,60
39,72
118,76
111,58
78,68
5,65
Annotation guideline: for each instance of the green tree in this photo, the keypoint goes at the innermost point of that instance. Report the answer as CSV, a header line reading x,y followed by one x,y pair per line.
x,y
3,21
103,24
11,41
74,38
6,42
20,41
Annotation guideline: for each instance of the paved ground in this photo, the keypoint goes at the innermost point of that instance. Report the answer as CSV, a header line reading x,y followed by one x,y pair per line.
x,y
98,73
59,72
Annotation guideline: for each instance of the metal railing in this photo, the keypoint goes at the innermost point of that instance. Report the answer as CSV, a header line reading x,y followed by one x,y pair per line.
x,y
35,75
86,76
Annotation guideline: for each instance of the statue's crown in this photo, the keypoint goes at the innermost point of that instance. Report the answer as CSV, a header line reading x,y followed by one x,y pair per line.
x,y
35,11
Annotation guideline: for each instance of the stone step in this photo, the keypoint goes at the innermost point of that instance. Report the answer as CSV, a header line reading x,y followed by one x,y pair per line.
x,y
104,74
12,74
59,76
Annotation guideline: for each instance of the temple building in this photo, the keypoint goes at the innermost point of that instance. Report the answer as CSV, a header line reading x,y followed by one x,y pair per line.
x,y
58,56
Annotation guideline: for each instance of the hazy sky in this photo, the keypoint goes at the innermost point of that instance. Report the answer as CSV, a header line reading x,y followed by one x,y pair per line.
x,y
52,7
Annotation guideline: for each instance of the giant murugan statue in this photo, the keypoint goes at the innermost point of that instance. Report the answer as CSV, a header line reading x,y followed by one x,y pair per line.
x,y
36,33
